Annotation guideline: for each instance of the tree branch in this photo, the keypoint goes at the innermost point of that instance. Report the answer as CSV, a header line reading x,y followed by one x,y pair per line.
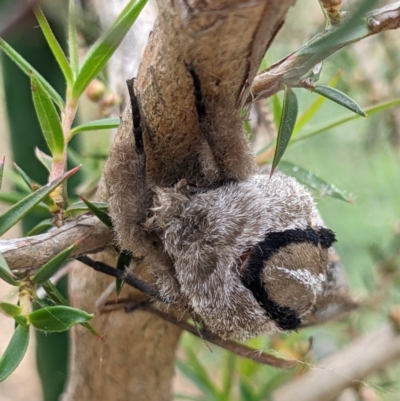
x,y
360,359
291,69
30,253
233,346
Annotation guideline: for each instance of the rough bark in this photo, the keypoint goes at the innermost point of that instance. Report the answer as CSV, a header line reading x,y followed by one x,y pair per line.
x,y
224,41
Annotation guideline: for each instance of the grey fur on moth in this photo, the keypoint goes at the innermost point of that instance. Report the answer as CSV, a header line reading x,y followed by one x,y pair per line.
x,y
209,235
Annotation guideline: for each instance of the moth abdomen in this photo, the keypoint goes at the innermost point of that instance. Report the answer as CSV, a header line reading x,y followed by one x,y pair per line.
x,y
285,272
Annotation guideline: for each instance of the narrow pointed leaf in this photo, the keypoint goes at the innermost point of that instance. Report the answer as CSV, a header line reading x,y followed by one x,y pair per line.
x,y
21,320
10,309
314,182
24,206
100,214
72,39
276,108
377,108
286,126
340,98
28,70
228,375
105,46
58,298
41,227
57,318
44,159
2,169
49,119
201,373
353,28
82,207
54,45
315,105
51,267
32,185
15,351
193,376
105,123
124,259
5,272
246,393
54,294
13,198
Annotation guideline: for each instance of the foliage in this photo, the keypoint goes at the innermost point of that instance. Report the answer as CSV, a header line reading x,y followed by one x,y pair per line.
x,y
57,129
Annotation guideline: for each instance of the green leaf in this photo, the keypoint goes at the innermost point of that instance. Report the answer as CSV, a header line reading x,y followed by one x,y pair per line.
x,y
187,397
10,309
193,376
105,123
44,159
276,108
58,298
124,259
5,272
101,215
12,198
314,182
315,106
201,373
2,169
32,185
354,27
286,126
24,206
54,46
54,294
72,39
50,268
335,123
57,318
339,97
105,46
15,351
14,311
246,393
39,228
28,70
82,207
228,375
49,119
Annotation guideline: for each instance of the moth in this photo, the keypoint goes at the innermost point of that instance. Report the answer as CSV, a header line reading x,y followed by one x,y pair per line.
x,y
241,257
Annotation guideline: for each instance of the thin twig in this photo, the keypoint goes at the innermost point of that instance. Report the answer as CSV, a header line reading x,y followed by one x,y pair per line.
x,y
235,347
125,276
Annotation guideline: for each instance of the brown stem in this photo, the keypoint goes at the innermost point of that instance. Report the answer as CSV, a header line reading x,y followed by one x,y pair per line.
x,y
235,347
30,253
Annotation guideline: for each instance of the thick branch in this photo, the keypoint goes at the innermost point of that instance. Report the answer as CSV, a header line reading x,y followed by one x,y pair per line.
x,y
29,253
292,68
224,42
357,361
